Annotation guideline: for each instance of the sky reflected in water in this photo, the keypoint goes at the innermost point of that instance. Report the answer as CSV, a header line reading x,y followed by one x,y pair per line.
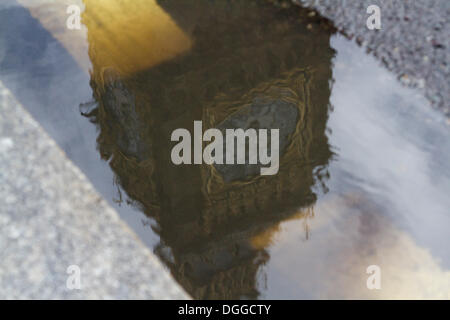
x,y
388,200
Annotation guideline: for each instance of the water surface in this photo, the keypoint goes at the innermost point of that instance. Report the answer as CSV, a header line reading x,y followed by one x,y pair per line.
x,y
364,173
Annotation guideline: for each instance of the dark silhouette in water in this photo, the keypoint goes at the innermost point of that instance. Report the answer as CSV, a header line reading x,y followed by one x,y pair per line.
x,y
247,60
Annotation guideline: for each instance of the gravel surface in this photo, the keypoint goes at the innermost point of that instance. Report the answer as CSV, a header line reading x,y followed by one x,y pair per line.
x,y
51,218
414,40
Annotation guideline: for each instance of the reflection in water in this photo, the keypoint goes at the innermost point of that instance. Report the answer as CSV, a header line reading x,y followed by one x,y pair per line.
x,y
388,196
339,259
227,66
131,36
389,182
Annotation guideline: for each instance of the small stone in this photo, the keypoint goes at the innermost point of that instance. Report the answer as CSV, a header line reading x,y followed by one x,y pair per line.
x,y
4,219
437,45
6,144
405,79
309,26
421,83
14,233
10,199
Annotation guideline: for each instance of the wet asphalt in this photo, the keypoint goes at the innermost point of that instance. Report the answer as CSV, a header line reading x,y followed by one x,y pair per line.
x,y
413,42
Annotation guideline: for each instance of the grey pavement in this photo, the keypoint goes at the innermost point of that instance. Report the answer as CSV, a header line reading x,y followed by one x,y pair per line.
x,y
51,218
414,40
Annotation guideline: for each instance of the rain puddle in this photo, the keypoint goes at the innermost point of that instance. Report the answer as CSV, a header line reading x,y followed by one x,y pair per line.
x,y
364,173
